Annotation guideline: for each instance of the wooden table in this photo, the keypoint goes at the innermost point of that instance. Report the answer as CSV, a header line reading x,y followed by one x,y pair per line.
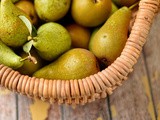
x,y
137,99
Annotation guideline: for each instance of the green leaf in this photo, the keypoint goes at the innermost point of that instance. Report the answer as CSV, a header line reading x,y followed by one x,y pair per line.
x,y
34,31
27,23
27,47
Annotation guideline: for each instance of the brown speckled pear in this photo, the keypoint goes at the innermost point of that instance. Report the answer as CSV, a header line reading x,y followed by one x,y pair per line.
x,y
77,63
109,41
13,32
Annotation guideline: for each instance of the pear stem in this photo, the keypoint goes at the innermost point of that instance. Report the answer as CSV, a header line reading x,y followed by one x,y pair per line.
x,y
23,59
30,58
134,5
30,38
96,1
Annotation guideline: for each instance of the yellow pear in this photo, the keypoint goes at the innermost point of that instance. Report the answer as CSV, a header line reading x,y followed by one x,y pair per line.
x,y
90,13
80,35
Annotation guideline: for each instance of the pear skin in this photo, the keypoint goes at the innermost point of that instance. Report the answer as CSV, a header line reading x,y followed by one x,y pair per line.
x,y
77,63
28,7
13,32
51,10
127,3
90,13
109,41
8,57
80,35
52,40
114,8
14,1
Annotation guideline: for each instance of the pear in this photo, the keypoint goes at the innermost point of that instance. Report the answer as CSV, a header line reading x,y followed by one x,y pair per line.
x,y
29,67
77,63
14,1
90,13
28,7
13,31
80,35
109,41
114,8
94,31
127,3
52,10
51,41
8,57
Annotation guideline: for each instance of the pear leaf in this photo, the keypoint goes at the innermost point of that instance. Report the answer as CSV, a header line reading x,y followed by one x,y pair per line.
x,y
27,47
27,23
34,31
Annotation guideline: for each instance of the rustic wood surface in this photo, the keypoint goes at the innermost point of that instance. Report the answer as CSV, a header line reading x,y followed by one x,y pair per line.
x,y
137,99
152,58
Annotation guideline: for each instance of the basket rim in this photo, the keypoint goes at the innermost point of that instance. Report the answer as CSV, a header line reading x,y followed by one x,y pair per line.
x,y
99,85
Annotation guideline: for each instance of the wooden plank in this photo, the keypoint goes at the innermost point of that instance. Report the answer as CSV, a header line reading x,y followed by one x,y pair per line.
x,y
152,54
23,108
7,105
97,110
55,112
133,101
24,111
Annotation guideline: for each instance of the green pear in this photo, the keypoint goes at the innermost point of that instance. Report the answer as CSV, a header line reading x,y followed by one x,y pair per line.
x,y
14,1
114,8
95,30
13,31
109,41
90,13
51,10
77,63
51,41
8,57
29,67
127,3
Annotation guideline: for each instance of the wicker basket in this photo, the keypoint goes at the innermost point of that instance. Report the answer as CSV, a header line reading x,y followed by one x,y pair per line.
x,y
96,86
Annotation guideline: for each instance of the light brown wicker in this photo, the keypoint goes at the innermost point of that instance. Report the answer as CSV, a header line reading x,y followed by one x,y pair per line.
x,y
96,86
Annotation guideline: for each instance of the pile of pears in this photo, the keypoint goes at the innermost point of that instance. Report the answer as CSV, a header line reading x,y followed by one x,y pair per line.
x,y
66,39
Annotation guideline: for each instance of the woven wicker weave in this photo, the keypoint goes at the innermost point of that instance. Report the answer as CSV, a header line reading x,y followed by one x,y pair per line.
x,y
96,86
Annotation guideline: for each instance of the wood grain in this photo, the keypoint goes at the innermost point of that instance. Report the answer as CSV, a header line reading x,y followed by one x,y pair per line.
x,y
132,101
152,55
23,107
7,105
97,110
24,113
55,112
